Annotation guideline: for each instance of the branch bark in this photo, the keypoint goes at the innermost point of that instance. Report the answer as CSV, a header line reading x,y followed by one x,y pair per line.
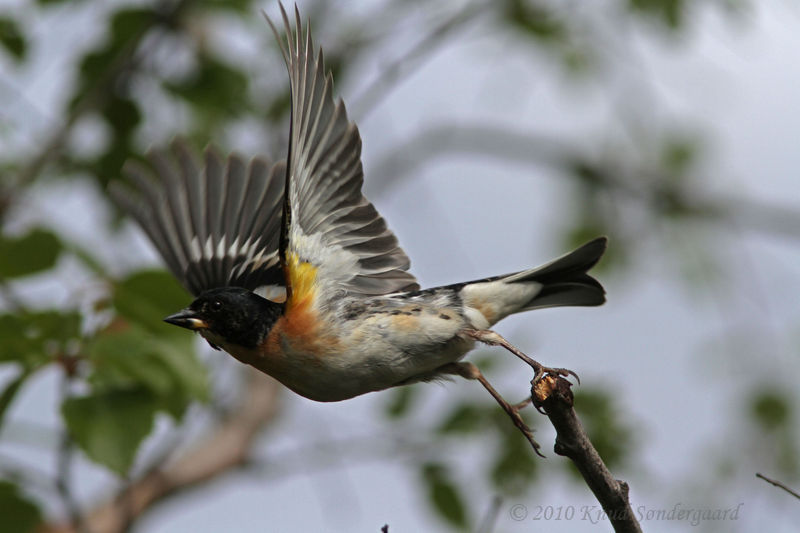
x,y
225,449
553,395
778,484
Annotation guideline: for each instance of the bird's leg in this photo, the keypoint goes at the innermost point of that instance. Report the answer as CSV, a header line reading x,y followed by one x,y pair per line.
x,y
495,339
470,371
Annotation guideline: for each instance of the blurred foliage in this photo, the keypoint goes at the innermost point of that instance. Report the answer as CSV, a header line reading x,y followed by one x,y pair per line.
x,y
670,12
110,425
607,425
773,413
158,69
32,253
12,38
20,514
133,368
445,495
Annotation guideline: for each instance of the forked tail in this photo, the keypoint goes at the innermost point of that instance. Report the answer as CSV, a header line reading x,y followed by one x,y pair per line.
x,y
565,280
561,282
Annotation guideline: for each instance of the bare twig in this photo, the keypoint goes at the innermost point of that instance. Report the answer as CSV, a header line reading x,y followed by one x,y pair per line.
x,y
226,448
778,484
553,395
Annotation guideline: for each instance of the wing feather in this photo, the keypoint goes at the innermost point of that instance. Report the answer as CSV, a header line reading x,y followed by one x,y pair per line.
x,y
217,225
330,224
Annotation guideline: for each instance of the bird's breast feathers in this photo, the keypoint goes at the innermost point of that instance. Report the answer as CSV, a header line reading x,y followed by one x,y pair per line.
x,y
325,357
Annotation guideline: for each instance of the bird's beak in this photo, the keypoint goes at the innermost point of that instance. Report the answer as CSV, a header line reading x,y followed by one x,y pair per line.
x,y
186,318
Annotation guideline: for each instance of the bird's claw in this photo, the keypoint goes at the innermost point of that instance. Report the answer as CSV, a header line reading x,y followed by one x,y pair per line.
x,y
542,371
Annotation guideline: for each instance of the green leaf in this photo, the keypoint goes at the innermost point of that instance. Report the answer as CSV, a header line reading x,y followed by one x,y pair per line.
x,y
444,495
12,38
214,87
464,418
535,21
242,6
612,438
109,163
678,154
128,359
99,67
149,353
147,297
19,514
109,426
122,114
771,410
34,339
34,252
10,392
128,24
134,358
279,106
515,466
400,401
87,259
671,12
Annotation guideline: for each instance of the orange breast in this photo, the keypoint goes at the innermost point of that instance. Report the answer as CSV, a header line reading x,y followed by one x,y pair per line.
x,y
301,330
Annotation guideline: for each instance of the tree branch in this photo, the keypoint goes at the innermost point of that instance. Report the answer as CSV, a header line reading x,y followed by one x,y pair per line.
x,y
778,484
553,395
226,448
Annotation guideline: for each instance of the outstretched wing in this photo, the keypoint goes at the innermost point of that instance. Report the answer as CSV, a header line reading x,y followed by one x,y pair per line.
x,y
215,226
331,233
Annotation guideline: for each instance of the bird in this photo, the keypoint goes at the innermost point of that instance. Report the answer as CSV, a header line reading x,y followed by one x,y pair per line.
x,y
294,272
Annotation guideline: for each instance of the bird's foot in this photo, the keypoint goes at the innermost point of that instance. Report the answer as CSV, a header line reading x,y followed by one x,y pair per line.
x,y
493,338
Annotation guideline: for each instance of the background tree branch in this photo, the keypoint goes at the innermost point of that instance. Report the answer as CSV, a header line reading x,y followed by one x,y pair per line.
x,y
226,448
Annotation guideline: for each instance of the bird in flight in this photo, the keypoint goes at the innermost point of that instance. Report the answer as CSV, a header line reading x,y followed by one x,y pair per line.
x,y
296,274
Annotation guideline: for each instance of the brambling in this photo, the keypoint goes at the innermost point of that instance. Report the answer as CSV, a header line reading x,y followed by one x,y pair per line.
x,y
296,274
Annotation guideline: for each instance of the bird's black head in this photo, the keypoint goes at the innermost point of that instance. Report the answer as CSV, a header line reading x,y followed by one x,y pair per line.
x,y
229,315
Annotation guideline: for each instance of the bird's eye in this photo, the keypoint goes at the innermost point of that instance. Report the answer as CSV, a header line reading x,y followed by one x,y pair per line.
x,y
216,305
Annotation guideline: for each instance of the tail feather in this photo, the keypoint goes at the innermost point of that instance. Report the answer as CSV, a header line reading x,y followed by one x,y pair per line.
x,y
562,282
565,281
